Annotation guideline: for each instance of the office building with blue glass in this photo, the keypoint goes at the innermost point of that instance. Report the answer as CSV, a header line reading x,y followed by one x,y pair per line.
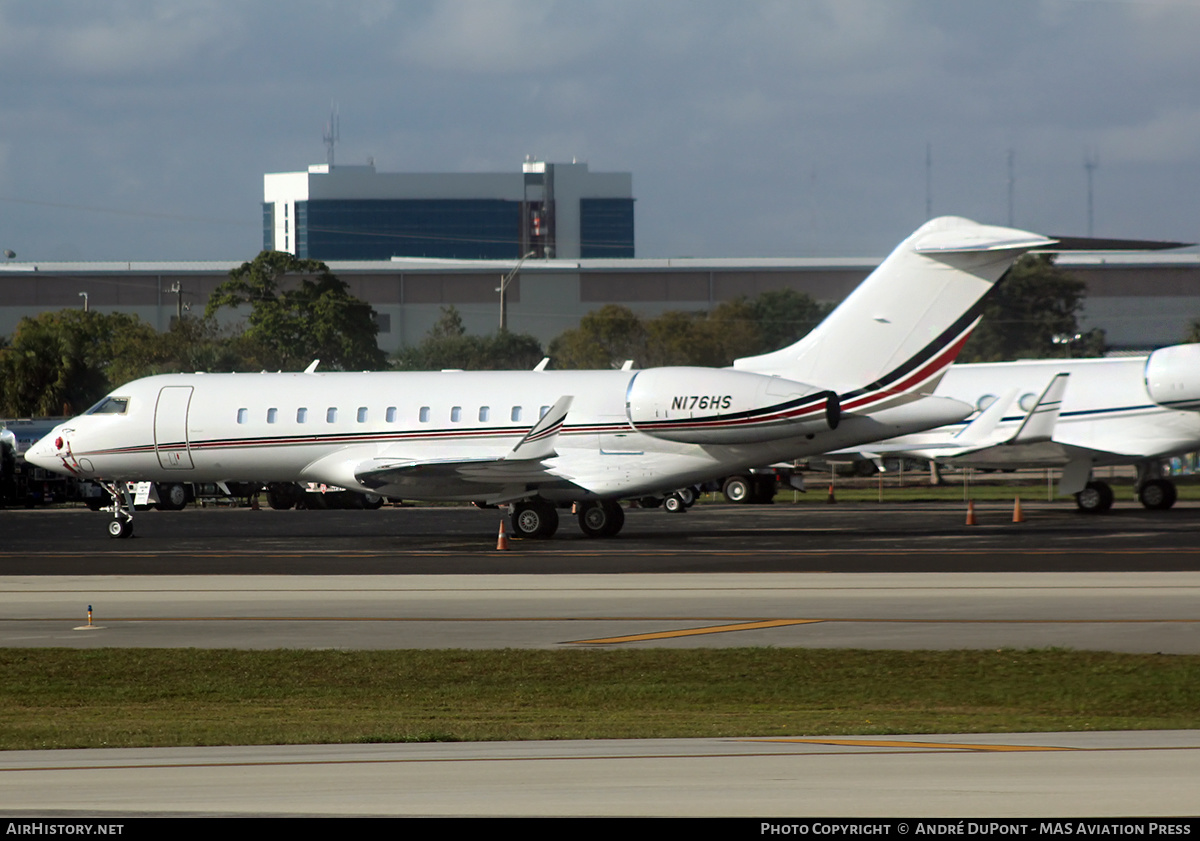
x,y
355,213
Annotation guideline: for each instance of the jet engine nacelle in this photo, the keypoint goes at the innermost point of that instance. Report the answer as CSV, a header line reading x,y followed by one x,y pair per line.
x,y
707,406
1173,377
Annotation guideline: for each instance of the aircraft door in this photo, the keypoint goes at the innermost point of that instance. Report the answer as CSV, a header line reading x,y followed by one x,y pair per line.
x,y
170,428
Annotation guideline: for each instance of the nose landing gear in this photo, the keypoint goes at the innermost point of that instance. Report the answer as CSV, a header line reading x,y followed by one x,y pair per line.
x,y
121,525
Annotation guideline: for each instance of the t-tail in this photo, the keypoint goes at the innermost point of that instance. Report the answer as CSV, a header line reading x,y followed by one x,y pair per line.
x,y
894,337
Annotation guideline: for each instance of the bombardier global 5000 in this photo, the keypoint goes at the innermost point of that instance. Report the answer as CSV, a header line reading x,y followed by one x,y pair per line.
x,y
540,440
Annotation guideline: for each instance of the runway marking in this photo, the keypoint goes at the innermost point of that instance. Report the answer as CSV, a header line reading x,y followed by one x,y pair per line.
x,y
713,629
885,743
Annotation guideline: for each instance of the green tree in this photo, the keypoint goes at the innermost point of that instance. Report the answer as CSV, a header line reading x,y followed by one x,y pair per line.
x,y
61,362
1193,334
447,345
300,311
1034,303
608,336
605,338
785,316
200,344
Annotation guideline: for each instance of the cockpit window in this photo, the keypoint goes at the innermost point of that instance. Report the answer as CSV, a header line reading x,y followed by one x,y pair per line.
x,y
110,406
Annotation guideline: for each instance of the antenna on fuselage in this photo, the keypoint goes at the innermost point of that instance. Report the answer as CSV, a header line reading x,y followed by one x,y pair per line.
x,y
312,369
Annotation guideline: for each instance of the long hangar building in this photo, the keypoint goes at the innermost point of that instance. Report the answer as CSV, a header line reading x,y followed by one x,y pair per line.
x,y
412,243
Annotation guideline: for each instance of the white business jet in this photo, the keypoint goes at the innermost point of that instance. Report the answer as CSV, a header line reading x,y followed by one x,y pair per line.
x,y
1074,414
537,440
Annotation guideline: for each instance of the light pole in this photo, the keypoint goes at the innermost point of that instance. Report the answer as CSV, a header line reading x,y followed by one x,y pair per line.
x,y
84,295
503,290
1066,339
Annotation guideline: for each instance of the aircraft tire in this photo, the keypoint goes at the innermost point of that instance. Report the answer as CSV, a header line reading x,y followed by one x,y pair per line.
x,y
372,502
737,489
279,498
600,518
1158,494
172,497
534,518
674,504
1096,498
688,495
120,528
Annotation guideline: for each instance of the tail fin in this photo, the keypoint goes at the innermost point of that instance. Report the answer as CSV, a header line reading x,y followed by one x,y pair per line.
x,y
896,334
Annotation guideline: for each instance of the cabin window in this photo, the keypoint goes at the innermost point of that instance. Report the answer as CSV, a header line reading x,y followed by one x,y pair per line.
x,y
391,414
331,415
242,415
484,411
1028,401
542,411
983,402
456,414
302,416
362,414
424,414
516,413
272,415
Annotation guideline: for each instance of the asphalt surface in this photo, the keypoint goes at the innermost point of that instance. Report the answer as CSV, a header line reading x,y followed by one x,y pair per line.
x,y
713,538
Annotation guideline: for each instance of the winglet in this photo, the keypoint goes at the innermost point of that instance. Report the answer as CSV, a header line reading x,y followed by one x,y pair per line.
x,y
1039,424
538,443
312,368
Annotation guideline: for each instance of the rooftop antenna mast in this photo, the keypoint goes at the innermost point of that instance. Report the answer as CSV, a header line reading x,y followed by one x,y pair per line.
x,y
332,133
928,180
1091,162
1012,183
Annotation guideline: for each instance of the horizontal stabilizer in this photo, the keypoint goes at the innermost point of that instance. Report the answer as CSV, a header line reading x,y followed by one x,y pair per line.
x,y
1098,244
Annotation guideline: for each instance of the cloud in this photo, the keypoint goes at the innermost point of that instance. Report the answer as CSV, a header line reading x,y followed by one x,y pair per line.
x,y
116,40
466,37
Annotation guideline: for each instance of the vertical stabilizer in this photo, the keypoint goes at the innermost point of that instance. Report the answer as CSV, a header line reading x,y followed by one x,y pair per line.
x,y
896,334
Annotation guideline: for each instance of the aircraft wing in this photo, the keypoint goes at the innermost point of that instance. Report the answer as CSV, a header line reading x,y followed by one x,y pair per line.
x,y
495,478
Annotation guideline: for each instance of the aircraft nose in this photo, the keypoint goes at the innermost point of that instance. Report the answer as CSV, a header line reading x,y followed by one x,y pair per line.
x,y
43,452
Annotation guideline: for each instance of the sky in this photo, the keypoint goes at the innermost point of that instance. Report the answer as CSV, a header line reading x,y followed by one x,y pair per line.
x,y
135,130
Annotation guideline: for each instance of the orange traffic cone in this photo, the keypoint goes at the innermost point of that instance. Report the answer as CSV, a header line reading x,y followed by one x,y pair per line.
x,y
502,539
1018,517
970,512
832,499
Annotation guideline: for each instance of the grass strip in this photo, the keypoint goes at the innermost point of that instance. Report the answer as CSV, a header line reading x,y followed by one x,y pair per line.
x,y
64,698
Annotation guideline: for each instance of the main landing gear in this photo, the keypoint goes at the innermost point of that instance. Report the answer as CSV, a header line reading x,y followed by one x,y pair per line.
x,y
121,525
537,518
1154,494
